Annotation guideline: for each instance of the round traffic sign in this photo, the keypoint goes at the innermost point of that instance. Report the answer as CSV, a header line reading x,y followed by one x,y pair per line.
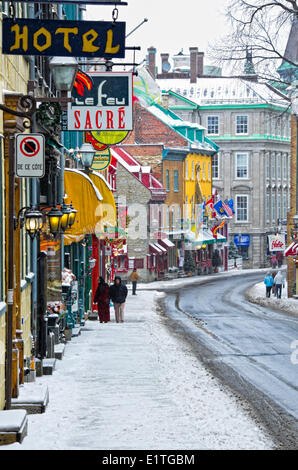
x,y
30,147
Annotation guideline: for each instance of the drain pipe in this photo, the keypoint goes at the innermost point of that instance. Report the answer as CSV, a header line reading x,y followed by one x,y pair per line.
x,y
34,197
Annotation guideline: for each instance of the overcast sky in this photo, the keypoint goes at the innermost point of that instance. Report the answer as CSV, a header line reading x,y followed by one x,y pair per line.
x,y
172,25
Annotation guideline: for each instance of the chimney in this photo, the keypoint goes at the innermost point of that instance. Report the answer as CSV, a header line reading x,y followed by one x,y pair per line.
x,y
200,65
152,61
193,64
164,60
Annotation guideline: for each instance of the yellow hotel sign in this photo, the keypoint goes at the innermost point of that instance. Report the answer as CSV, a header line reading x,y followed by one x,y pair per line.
x,y
63,38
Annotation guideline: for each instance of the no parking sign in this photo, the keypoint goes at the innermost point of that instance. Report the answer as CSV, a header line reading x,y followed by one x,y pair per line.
x,y
30,155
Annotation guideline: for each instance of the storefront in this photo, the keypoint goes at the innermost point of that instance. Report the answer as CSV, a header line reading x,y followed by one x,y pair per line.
x,y
242,241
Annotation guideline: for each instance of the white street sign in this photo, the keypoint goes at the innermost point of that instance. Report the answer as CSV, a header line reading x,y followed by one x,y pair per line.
x,y
30,155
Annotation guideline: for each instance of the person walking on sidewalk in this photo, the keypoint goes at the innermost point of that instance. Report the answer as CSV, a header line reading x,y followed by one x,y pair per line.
x,y
268,281
279,257
134,277
102,299
118,294
279,284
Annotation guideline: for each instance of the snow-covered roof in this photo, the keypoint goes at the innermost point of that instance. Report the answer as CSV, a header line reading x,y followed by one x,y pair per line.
x,y
142,172
224,90
175,122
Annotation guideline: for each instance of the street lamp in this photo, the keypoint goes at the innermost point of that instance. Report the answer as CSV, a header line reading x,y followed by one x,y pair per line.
x,y
31,218
64,70
87,155
66,212
33,222
54,218
72,215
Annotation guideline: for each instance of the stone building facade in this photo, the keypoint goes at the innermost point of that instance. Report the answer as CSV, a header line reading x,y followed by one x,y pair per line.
x,y
133,178
251,124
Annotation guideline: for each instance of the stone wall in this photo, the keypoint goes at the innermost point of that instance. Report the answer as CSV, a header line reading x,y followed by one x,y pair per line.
x,y
135,193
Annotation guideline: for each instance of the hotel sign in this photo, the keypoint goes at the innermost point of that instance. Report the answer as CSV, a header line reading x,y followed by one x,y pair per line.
x,y
63,38
102,102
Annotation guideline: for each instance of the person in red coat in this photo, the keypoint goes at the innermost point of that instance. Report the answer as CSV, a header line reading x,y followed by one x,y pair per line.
x,y
103,301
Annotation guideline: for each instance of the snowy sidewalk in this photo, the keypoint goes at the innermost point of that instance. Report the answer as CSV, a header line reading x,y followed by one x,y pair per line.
x,y
136,385
257,294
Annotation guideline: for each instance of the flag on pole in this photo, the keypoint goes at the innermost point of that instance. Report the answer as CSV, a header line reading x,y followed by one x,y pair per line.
x,y
219,207
227,208
215,229
231,204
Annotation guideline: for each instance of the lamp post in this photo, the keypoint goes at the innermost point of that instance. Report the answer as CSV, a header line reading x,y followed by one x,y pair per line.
x,y
87,155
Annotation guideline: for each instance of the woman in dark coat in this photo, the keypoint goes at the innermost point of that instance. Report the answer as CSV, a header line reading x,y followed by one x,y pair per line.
x,y
103,301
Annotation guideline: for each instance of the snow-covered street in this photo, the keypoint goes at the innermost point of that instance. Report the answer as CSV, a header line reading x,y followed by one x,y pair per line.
x,y
137,385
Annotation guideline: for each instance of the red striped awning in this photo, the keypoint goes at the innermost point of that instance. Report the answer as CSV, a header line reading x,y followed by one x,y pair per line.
x,y
292,250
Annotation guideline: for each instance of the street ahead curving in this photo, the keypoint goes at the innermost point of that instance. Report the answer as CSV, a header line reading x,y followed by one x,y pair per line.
x,y
248,346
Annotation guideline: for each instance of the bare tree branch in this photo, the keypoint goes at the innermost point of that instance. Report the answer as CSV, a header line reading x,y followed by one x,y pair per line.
x,y
260,26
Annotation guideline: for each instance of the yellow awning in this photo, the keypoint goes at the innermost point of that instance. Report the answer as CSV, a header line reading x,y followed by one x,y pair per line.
x,y
87,200
109,219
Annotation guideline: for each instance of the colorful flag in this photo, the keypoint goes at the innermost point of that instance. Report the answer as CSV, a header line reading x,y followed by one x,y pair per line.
x,y
231,204
210,202
227,208
220,209
215,229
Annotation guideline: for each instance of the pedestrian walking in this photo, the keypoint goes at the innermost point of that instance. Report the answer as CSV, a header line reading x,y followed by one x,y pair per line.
x,y
273,261
102,299
134,277
118,294
279,257
279,284
268,281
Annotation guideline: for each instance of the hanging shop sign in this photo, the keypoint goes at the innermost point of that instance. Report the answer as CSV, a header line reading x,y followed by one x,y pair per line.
x,y
109,137
101,160
63,38
96,145
30,155
277,242
103,102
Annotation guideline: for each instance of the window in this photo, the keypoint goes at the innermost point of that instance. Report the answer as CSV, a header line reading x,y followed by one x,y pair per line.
x,y
139,263
204,171
176,181
241,165
279,206
167,180
273,166
285,204
241,124
278,127
215,166
209,171
212,125
285,166
242,208
268,166
186,170
279,166
268,207
273,206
